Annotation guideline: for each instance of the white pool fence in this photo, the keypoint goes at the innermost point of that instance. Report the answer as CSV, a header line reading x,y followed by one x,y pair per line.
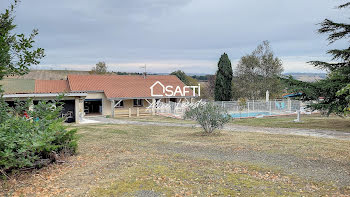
x,y
248,109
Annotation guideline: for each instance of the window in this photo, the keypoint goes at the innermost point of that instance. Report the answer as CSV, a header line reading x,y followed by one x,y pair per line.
x,y
138,103
173,100
120,104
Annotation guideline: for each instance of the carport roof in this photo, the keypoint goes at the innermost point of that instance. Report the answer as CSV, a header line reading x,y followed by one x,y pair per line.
x,y
11,86
29,86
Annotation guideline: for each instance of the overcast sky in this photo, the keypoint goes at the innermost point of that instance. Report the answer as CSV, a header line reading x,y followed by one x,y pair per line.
x,y
167,35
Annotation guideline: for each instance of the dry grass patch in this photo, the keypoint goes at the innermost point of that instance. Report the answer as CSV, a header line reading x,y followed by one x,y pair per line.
x,y
315,121
129,160
162,119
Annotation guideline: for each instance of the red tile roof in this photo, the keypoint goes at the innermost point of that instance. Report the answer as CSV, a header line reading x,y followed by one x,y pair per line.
x,y
124,86
51,86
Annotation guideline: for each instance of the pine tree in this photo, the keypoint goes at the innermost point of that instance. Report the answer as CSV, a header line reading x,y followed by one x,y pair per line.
x,y
223,82
346,91
337,79
336,31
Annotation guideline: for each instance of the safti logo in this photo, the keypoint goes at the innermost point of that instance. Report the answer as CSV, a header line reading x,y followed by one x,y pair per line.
x,y
173,91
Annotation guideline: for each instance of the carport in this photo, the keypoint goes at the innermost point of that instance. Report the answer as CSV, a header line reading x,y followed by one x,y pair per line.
x,y
71,109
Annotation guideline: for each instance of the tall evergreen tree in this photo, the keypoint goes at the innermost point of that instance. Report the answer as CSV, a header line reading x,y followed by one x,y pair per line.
x,y
335,31
346,91
223,82
337,79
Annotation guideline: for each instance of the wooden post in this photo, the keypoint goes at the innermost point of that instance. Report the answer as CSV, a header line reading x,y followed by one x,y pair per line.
x,y
137,112
129,112
154,107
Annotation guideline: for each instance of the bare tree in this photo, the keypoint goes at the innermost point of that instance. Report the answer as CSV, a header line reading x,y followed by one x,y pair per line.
x,y
100,68
258,72
207,89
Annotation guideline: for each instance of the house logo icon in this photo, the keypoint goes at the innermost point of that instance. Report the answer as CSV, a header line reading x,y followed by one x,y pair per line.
x,y
154,85
171,91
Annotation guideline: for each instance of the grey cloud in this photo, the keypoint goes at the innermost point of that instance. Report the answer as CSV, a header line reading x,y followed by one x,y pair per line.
x,y
82,32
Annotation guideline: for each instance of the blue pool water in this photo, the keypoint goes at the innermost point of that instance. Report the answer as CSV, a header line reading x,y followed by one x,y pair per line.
x,y
251,114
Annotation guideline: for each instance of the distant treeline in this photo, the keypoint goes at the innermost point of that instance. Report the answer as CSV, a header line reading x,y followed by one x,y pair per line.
x,y
294,75
321,75
131,73
201,77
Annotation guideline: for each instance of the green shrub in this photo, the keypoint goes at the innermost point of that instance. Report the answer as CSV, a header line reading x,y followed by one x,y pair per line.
x,y
209,116
26,142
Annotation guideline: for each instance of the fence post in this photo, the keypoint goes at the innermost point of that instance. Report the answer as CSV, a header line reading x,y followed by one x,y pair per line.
x,y
270,107
248,108
289,105
129,112
298,116
137,112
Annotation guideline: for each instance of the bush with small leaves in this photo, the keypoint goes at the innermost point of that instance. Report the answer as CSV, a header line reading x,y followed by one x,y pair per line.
x,y
209,116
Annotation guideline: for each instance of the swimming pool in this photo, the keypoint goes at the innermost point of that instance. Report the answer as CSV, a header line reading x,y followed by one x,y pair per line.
x,y
250,114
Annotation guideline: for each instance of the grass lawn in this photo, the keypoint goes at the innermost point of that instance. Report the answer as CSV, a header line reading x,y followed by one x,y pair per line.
x,y
157,119
129,160
314,121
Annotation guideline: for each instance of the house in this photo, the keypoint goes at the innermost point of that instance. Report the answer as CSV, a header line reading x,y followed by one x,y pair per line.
x,y
112,95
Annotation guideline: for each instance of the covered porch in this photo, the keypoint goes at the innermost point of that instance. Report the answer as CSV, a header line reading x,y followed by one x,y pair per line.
x,y
129,107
